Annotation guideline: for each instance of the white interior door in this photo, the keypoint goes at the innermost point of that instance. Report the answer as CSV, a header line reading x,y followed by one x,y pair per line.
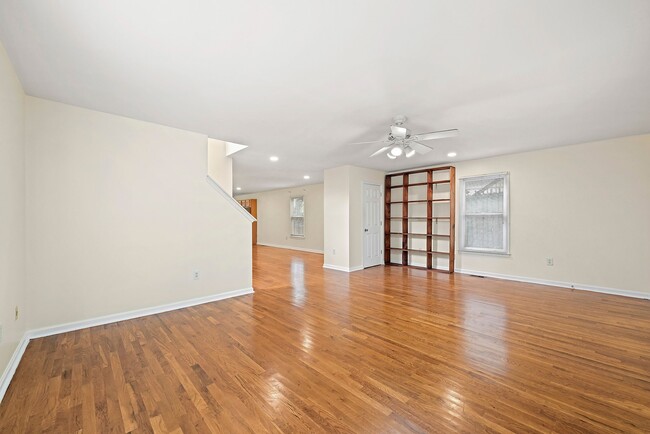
x,y
372,225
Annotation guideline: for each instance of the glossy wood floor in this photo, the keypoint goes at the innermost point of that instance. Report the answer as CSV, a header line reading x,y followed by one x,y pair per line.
x,y
381,350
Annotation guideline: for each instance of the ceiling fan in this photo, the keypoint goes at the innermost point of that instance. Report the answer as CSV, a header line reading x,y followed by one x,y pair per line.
x,y
401,141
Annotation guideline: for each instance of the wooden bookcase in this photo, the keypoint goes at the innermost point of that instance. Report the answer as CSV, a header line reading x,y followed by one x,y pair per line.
x,y
420,218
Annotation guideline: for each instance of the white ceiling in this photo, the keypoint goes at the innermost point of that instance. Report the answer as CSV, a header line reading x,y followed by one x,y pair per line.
x,y
301,79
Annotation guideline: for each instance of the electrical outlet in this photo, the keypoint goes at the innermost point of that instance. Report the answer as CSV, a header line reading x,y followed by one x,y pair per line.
x,y
549,262
196,275
16,317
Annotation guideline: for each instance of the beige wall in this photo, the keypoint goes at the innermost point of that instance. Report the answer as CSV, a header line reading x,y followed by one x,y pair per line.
x,y
12,210
274,224
119,215
219,165
586,206
337,217
344,214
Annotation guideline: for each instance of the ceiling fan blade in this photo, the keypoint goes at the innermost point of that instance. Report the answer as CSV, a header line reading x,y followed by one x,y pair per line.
x,y
366,143
420,148
437,135
385,148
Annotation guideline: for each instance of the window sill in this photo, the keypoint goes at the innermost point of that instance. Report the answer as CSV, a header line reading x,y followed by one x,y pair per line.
x,y
484,252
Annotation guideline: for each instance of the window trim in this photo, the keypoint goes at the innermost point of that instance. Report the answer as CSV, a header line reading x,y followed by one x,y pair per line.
x,y
291,217
506,215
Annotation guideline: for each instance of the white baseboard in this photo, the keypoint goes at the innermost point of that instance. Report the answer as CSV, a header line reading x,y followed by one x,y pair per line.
x,y
9,371
341,268
93,322
579,286
278,246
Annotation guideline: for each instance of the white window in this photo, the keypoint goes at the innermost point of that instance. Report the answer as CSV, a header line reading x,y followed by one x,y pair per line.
x,y
297,214
484,223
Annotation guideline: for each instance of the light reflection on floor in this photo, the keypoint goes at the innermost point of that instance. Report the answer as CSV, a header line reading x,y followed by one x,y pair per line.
x,y
298,282
485,346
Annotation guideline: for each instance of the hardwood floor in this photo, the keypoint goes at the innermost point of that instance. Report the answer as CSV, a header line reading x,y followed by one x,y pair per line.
x,y
387,349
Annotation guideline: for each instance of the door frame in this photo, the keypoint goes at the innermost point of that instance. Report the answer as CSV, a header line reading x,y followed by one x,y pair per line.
x,y
381,224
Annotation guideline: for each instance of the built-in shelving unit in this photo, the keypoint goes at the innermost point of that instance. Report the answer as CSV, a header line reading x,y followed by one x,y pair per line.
x,y
420,218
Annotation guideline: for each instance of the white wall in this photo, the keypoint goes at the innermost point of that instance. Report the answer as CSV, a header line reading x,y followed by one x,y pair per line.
x,y
344,214
220,165
12,209
587,206
119,215
274,224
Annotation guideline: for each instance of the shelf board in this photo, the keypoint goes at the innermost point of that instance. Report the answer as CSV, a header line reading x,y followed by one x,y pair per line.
x,y
432,169
419,218
419,251
420,200
419,267
415,184
422,235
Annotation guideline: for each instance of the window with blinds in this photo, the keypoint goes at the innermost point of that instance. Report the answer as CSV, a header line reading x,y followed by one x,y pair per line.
x,y
484,223
297,214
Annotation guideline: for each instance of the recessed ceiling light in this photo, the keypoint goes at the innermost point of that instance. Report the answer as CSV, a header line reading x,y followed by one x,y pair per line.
x,y
238,189
451,154
306,176
274,158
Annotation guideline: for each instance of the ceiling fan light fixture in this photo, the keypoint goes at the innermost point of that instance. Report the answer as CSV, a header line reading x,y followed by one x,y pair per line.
x,y
396,151
391,156
399,132
409,152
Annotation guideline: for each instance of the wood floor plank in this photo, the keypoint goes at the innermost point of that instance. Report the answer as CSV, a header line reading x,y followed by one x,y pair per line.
x,y
387,349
